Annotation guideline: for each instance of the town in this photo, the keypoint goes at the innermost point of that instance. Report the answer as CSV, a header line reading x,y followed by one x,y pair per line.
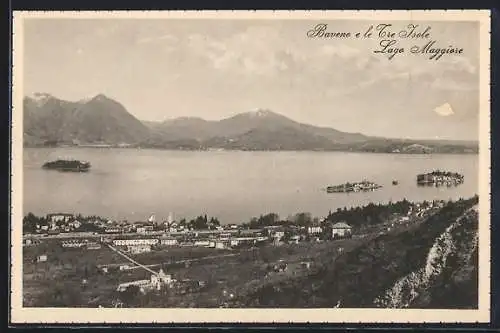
x,y
102,262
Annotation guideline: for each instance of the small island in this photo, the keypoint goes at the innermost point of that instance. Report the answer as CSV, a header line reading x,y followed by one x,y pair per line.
x,y
440,178
362,186
67,165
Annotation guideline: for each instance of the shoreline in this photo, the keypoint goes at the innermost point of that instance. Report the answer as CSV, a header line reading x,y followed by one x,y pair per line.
x,y
242,225
251,151
284,215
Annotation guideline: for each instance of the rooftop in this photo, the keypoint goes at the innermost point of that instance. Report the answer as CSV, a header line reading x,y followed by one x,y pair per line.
x,y
341,225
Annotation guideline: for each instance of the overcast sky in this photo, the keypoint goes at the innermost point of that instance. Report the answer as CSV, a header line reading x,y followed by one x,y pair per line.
x,y
162,69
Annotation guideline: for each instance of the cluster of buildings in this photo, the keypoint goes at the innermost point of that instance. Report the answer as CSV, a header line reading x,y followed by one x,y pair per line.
x,y
138,242
415,211
419,210
156,282
330,231
142,237
59,222
221,239
210,239
65,222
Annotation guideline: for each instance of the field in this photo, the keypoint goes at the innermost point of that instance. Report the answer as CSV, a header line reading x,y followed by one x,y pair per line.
x,y
72,278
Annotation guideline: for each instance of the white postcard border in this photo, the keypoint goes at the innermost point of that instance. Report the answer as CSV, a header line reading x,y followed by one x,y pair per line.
x,y
85,315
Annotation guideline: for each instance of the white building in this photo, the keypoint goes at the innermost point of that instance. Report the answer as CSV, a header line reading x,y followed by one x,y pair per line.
x,y
136,249
295,239
60,217
136,241
112,230
93,246
278,234
139,283
168,241
314,230
161,279
202,243
341,229
75,224
157,281
74,243
42,258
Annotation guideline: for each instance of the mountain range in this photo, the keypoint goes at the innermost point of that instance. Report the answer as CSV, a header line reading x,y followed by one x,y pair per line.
x,y
100,120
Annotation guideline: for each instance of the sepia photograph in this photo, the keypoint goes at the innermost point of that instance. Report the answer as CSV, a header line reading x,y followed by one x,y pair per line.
x,y
250,166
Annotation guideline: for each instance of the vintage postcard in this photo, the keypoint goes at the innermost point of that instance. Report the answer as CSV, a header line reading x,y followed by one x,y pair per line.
x,y
250,166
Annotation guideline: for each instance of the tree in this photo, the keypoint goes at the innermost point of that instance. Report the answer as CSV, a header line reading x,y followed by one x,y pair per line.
x,y
303,219
268,220
287,236
214,223
88,227
61,295
130,295
29,223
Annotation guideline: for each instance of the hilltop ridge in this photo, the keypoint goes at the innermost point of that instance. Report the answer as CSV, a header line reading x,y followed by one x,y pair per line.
x,y
49,121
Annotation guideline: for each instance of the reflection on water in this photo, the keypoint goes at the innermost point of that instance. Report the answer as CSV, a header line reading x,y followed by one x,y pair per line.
x,y
234,186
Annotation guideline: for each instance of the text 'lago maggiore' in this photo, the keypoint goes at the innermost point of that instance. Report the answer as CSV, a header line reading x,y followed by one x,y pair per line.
x,y
390,39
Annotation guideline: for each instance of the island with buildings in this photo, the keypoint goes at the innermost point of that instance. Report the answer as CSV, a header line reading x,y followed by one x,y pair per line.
x,y
362,186
440,178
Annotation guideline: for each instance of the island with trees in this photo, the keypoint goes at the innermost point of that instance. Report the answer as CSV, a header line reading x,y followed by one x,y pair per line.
x,y
67,165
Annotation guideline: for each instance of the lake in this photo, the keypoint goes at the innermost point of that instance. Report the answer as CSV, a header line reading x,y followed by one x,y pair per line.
x,y
231,185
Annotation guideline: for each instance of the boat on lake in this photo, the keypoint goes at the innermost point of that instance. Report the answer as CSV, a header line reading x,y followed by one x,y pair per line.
x,y
395,182
363,186
67,165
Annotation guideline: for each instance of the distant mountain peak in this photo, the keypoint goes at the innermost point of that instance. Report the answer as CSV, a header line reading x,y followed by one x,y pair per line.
x,y
98,97
261,113
40,95
40,98
189,118
98,119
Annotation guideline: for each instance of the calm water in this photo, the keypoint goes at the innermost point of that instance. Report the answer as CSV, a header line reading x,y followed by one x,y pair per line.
x,y
234,186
